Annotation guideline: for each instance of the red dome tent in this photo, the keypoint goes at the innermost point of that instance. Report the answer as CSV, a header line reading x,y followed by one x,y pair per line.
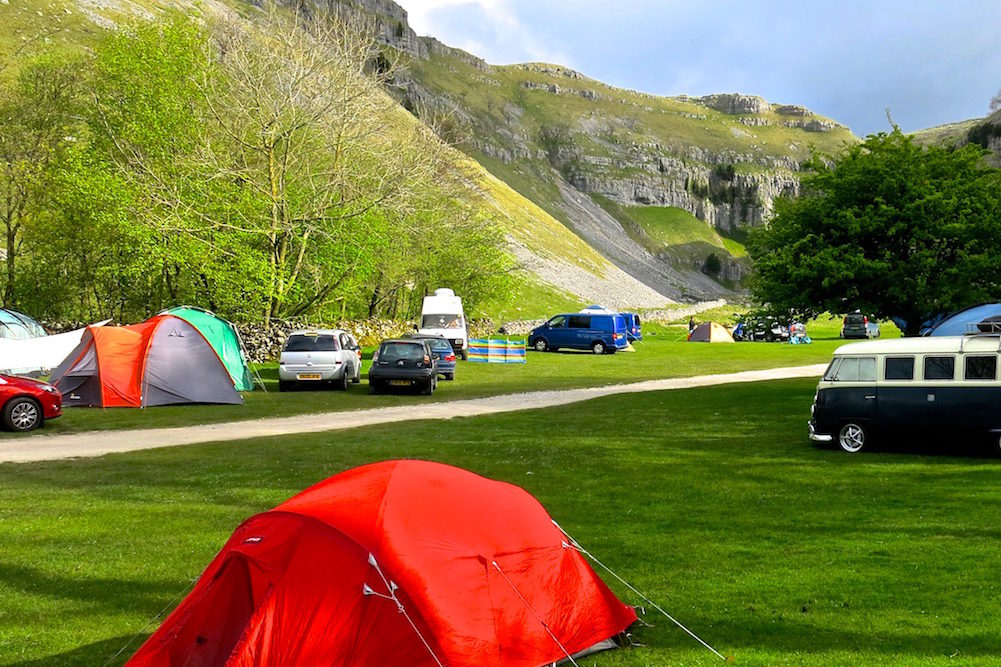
x,y
404,563
161,361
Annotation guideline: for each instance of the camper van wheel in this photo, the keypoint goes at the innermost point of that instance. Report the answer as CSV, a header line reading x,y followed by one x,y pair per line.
x,y
852,437
22,414
464,354
540,345
598,347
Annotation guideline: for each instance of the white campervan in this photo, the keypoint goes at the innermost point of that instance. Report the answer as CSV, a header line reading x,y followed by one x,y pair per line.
x,y
441,315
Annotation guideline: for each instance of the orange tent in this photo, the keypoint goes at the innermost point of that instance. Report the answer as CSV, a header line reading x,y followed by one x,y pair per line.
x,y
406,563
161,361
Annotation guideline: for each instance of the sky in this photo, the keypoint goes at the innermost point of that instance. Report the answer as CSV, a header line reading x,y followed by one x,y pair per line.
x,y
928,62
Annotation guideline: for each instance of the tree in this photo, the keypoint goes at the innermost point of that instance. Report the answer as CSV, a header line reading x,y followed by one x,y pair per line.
x,y
890,228
38,114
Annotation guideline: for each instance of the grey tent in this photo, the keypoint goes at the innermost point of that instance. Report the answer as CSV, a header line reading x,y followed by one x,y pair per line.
x,y
162,361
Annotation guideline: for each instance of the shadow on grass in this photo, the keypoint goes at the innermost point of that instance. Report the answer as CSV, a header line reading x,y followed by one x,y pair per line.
x,y
92,655
128,595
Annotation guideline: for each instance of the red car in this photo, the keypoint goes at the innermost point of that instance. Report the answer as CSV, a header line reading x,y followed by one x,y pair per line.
x,y
28,403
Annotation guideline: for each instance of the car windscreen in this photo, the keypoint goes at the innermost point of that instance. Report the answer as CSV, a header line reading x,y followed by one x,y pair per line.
x,y
319,343
439,344
441,322
401,351
856,319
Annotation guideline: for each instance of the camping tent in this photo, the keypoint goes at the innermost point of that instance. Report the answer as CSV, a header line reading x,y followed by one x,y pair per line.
x,y
223,338
161,361
965,321
41,354
18,326
407,563
710,332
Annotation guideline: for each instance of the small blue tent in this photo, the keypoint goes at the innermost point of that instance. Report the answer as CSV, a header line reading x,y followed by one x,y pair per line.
x,y
965,321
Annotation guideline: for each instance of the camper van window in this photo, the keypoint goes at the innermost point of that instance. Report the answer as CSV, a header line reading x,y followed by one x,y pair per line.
x,y
899,368
441,322
940,368
580,322
832,370
856,369
981,368
557,322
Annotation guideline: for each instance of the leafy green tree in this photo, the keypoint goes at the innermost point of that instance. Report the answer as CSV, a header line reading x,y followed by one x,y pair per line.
x,y
38,115
890,228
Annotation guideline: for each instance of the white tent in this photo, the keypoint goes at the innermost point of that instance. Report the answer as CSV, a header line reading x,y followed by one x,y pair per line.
x,y
41,354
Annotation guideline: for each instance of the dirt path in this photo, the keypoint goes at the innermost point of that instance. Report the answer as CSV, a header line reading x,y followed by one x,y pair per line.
x,y
48,448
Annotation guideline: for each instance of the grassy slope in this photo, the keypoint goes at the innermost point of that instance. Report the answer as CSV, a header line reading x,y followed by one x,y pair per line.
x,y
662,227
662,354
711,501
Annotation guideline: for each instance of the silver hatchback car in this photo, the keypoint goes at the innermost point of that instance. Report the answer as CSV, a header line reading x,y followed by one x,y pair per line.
x,y
319,356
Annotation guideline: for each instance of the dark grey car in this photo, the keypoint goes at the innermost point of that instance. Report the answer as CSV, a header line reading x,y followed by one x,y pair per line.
x,y
403,363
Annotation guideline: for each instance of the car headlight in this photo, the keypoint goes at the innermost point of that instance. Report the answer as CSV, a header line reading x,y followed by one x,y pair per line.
x,y
50,389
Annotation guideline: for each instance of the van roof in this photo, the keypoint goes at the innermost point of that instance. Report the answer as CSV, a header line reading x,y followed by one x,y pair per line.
x,y
927,345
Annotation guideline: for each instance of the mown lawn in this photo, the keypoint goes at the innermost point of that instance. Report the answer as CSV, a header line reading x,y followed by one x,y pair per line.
x,y
663,354
712,501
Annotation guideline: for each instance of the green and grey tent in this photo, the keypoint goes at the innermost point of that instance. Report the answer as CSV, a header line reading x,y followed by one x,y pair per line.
x,y
223,338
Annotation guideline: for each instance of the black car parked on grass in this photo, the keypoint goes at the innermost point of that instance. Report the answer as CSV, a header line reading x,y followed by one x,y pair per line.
x,y
404,362
762,328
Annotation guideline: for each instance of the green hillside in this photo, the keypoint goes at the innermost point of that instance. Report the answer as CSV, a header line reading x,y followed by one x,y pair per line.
x,y
542,127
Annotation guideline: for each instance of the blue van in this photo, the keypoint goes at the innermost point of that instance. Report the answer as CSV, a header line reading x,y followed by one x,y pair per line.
x,y
633,331
599,333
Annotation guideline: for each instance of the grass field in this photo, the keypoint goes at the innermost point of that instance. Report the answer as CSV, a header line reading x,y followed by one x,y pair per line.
x,y
711,501
662,354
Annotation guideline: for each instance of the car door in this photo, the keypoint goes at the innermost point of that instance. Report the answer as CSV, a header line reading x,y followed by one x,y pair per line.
x,y
579,327
349,355
854,395
557,332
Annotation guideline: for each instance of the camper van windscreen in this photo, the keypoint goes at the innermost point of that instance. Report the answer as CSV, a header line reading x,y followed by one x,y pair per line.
x,y
441,322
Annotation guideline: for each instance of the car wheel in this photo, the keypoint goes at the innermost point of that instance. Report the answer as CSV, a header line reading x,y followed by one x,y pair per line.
x,y
428,388
22,414
540,345
357,378
853,437
598,347
284,385
449,376
373,387
342,383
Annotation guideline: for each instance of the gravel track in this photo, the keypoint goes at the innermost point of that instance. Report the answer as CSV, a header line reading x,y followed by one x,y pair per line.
x,y
97,443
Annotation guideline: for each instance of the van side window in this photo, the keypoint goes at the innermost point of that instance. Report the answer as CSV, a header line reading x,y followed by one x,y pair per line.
x,y
580,322
981,368
940,368
557,322
832,370
856,369
899,368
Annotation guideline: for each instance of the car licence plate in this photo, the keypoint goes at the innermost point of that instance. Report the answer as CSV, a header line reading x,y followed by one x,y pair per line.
x,y
308,376
400,383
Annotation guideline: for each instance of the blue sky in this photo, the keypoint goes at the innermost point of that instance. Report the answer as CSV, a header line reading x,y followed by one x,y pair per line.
x,y
928,62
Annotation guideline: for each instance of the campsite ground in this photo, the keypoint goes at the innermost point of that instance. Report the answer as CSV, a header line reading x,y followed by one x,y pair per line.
x,y
662,354
710,500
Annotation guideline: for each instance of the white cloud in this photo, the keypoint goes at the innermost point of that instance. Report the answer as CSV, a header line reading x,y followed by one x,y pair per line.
x,y
499,34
